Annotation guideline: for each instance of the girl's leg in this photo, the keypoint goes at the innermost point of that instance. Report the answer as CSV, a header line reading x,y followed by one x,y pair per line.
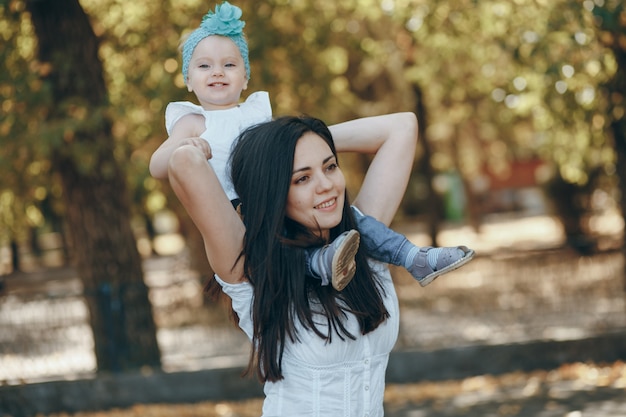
x,y
425,263
334,263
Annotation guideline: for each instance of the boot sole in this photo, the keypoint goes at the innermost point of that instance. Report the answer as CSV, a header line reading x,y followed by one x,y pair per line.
x,y
344,265
469,255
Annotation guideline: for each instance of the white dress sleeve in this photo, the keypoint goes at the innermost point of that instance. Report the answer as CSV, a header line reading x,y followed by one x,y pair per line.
x,y
175,110
257,108
241,295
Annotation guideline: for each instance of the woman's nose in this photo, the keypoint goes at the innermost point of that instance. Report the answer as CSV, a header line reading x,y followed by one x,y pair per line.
x,y
324,183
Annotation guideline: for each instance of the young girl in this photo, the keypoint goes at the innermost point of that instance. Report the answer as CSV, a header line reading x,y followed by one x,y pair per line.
x,y
216,69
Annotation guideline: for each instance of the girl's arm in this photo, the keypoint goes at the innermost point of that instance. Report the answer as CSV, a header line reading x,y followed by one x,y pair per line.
x,y
393,140
198,189
187,130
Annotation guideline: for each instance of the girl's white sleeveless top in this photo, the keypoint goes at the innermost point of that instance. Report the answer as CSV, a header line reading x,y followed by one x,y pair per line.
x,y
223,128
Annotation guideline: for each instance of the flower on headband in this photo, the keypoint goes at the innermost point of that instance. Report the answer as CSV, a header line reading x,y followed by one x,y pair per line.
x,y
225,21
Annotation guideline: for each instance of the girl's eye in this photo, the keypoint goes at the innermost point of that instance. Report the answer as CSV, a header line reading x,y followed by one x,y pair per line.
x,y
230,65
204,65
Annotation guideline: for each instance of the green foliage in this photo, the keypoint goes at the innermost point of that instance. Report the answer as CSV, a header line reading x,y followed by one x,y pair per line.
x,y
23,99
502,80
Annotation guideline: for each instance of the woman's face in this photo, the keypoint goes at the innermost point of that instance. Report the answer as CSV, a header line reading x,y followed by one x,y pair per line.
x,y
317,191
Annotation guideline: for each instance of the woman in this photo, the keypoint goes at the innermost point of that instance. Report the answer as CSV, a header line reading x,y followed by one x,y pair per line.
x,y
320,352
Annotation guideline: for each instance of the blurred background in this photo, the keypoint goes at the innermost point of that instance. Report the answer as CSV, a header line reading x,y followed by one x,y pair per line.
x,y
522,156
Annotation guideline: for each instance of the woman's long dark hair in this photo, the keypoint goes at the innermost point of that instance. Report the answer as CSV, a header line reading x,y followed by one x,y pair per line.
x,y
262,165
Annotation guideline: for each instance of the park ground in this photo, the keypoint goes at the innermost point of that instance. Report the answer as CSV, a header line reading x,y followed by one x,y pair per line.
x,y
526,251
572,390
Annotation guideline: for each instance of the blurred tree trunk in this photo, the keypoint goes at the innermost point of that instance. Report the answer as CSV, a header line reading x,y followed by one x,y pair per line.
x,y
15,256
94,187
611,25
435,208
620,146
618,128
572,204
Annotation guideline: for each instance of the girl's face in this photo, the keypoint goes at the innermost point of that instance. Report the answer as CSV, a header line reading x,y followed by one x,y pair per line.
x,y
217,73
317,191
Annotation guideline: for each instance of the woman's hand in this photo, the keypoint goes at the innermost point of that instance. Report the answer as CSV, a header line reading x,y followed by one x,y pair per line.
x,y
392,139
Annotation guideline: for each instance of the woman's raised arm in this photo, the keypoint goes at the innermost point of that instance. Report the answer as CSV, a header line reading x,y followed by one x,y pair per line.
x,y
393,139
200,192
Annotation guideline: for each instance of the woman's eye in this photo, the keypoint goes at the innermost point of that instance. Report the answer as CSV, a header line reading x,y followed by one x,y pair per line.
x,y
332,167
300,180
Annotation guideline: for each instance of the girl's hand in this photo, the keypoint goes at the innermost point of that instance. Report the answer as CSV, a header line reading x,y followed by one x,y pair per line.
x,y
200,144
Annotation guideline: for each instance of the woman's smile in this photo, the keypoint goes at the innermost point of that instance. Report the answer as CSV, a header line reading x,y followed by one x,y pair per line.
x,y
326,204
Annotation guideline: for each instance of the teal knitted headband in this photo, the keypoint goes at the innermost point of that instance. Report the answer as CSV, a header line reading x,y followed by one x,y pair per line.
x,y
224,22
